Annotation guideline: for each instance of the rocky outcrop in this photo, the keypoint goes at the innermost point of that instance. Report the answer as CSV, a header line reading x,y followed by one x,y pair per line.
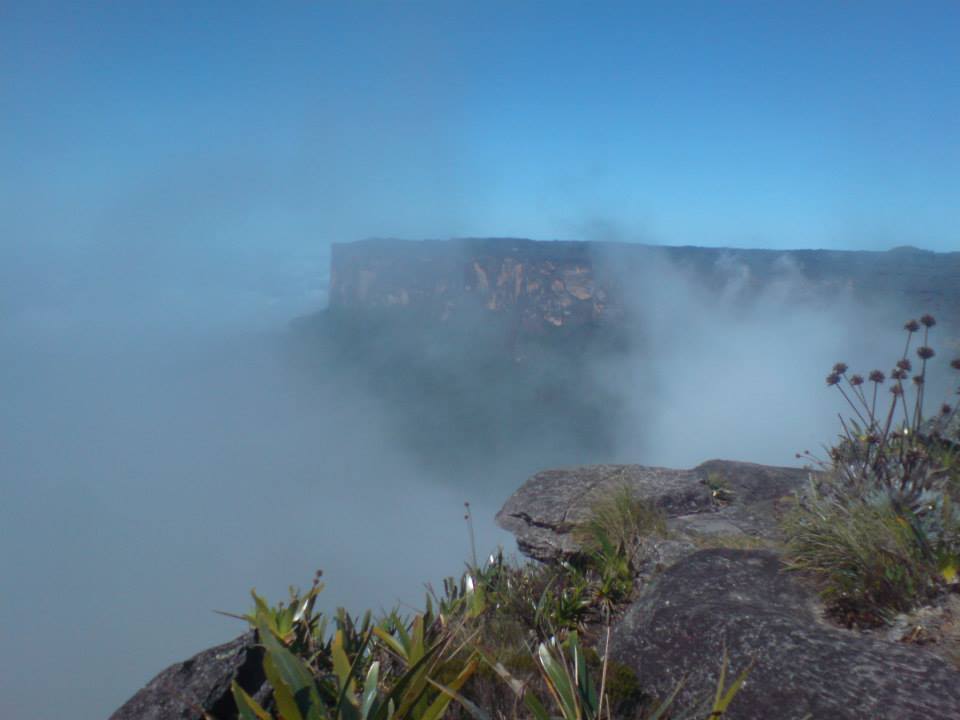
x,y
740,602
716,498
200,687
543,286
695,604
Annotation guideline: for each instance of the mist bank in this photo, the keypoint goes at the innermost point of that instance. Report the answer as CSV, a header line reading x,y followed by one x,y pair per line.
x,y
154,474
164,450
504,352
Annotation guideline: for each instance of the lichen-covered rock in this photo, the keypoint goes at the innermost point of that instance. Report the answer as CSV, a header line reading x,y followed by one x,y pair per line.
x,y
201,685
740,602
716,498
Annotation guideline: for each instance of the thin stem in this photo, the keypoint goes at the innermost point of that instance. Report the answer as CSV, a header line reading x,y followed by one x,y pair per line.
x,y
858,390
920,389
906,348
603,673
903,399
885,436
850,403
468,516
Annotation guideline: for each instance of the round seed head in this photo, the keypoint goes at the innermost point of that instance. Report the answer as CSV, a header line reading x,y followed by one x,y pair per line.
x,y
912,326
955,363
896,389
856,380
925,353
928,321
898,373
833,378
945,409
877,376
840,368
904,364
918,379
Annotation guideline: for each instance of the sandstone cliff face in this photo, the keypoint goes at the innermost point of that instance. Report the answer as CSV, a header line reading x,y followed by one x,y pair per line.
x,y
539,285
542,286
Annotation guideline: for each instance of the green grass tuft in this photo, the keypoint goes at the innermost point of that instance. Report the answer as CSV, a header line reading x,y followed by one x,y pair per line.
x,y
880,530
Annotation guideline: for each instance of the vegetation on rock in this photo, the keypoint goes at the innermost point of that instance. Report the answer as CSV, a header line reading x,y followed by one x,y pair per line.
x,y
502,641
880,526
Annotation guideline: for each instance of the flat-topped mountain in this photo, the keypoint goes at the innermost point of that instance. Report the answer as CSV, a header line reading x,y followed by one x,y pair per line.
x,y
494,349
546,285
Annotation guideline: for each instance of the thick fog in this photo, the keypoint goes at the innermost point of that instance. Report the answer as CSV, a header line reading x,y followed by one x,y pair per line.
x,y
159,457
736,370
163,451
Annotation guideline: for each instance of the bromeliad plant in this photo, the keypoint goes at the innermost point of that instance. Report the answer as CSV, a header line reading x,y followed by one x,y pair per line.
x,y
554,606
297,625
415,669
529,603
364,672
524,622
614,540
623,521
881,526
563,669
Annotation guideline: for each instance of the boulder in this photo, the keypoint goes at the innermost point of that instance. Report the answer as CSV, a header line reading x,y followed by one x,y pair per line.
x,y
200,687
718,497
740,602
694,604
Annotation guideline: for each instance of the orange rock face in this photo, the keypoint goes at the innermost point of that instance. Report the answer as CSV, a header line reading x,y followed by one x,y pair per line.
x,y
536,287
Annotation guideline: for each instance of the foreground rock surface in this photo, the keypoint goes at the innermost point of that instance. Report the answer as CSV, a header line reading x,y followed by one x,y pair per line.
x,y
187,690
741,601
695,603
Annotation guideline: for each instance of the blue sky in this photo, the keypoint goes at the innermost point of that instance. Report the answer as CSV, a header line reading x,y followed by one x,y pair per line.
x,y
206,130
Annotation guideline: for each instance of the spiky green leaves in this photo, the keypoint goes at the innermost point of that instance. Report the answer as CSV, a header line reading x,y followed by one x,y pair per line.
x,y
357,688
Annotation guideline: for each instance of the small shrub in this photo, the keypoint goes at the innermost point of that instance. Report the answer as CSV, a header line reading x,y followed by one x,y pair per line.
x,y
720,490
864,554
613,540
392,672
625,692
428,667
880,528
621,519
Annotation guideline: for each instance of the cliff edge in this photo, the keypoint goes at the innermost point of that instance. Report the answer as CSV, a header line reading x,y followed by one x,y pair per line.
x,y
542,286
